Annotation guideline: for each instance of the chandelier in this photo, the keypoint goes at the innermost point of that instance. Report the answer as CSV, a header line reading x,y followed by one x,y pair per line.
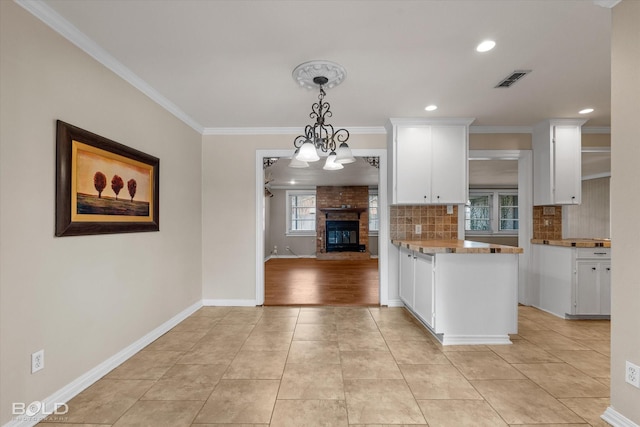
x,y
321,136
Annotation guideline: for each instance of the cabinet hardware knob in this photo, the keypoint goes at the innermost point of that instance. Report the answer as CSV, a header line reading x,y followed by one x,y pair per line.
x,y
593,268
608,268
599,253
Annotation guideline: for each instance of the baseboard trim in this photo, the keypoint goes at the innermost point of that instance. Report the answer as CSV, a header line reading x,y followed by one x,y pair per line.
x,y
81,383
448,339
229,302
395,303
616,419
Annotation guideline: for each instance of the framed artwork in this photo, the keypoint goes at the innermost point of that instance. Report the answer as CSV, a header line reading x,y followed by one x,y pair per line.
x,y
103,187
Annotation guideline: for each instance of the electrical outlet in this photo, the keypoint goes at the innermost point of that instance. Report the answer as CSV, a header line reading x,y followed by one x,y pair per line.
x,y
632,374
418,229
37,361
288,248
449,209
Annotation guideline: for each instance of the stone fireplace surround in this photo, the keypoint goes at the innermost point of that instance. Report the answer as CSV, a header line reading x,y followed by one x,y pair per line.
x,y
333,199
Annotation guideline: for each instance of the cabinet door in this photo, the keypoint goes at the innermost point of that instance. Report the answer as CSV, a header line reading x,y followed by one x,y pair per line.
x,y
587,296
605,288
567,167
424,305
406,276
412,165
449,164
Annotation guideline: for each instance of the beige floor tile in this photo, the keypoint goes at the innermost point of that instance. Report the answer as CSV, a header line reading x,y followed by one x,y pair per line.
x,y
240,316
381,402
160,414
300,381
357,325
269,312
215,312
562,380
313,332
228,331
252,364
214,354
176,341
105,401
369,365
438,382
230,425
61,424
601,346
361,341
404,332
550,425
483,365
240,401
522,402
266,340
522,351
317,316
551,340
588,361
145,365
186,382
276,323
309,413
460,413
311,352
196,324
417,353
589,409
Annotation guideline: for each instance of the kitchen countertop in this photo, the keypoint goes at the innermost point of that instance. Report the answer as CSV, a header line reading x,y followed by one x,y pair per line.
x,y
455,247
575,243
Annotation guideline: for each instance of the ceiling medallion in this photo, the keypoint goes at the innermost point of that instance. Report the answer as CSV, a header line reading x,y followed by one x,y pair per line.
x,y
304,74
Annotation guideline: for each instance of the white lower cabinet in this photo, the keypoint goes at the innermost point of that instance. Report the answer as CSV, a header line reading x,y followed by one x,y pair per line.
x,y
593,288
424,302
572,281
417,285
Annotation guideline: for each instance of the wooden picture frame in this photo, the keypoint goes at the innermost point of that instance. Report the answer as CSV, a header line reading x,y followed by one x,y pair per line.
x,y
103,187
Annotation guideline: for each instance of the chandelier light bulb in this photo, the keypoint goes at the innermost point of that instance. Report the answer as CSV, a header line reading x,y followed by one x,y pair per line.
x,y
295,163
344,155
307,152
330,164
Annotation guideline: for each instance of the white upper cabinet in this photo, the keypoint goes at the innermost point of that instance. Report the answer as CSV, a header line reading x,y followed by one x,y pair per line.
x,y
557,154
428,161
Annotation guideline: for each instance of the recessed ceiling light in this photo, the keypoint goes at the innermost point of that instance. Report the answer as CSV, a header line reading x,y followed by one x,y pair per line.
x,y
586,111
292,182
431,107
486,46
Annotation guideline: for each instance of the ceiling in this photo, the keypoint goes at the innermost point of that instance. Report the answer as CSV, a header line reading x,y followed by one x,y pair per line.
x,y
225,66
221,64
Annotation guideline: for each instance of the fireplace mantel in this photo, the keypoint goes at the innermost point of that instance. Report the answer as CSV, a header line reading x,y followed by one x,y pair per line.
x,y
327,211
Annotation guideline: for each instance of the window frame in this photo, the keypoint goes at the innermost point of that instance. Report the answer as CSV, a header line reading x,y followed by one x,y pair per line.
x,y
494,212
289,232
373,231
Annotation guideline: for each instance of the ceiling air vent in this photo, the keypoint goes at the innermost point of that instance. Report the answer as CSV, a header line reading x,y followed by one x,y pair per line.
x,y
512,78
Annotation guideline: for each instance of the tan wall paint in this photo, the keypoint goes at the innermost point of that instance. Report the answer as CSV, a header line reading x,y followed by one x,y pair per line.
x,y
625,154
229,235
596,139
82,299
500,141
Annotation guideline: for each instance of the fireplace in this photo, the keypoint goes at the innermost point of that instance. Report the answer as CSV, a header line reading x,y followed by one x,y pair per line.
x,y
343,236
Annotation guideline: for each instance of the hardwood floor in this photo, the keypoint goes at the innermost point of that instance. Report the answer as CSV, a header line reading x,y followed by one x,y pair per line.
x,y
308,281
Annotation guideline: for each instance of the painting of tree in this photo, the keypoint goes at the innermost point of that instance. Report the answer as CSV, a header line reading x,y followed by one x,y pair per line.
x,y
100,182
116,184
132,185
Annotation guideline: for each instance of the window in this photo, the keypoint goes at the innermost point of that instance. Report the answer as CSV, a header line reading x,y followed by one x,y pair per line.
x,y
492,212
374,219
301,212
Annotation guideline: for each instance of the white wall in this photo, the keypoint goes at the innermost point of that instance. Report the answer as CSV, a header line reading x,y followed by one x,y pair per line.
x,y
82,299
625,234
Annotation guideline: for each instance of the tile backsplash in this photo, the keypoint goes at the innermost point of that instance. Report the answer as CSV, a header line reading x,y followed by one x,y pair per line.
x,y
547,222
434,220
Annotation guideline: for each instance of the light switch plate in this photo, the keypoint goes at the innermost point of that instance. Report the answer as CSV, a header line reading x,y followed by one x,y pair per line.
x,y
418,229
450,209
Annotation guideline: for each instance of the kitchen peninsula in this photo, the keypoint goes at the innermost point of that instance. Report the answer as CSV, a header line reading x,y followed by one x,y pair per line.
x,y
464,292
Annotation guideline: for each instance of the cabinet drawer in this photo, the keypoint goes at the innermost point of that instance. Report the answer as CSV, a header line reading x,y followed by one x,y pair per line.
x,y
593,253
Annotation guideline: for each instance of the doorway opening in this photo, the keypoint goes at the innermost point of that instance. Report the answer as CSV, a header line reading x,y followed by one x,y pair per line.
x,y
291,257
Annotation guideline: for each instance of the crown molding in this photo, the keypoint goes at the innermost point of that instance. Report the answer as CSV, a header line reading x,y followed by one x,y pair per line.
x,y
353,130
606,3
70,32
